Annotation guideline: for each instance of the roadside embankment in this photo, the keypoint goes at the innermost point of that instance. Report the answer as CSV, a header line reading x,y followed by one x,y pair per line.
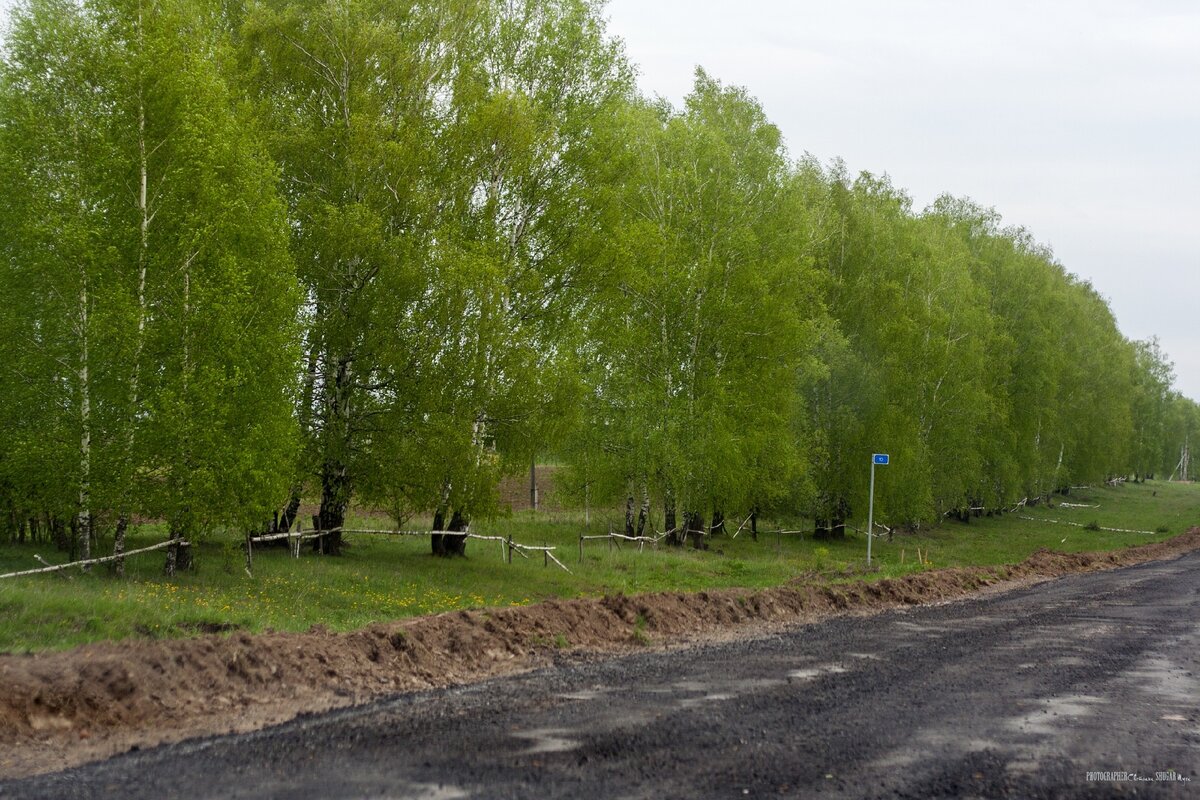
x,y
58,709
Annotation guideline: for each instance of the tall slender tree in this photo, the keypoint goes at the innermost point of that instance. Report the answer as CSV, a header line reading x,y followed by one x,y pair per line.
x,y
183,296
360,96
704,329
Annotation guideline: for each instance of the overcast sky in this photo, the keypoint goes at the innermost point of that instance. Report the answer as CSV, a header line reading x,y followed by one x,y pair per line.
x,y
1077,119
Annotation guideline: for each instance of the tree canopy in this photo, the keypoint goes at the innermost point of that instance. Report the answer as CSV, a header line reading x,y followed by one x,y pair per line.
x,y
385,253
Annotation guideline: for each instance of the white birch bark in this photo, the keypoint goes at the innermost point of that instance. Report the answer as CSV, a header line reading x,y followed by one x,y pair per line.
x,y
144,220
85,424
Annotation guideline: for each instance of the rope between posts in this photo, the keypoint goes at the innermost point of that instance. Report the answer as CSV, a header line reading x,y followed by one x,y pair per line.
x,y
522,550
91,561
1081,525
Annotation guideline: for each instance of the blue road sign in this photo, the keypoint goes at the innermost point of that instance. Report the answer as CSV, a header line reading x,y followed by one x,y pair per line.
x,y
882,459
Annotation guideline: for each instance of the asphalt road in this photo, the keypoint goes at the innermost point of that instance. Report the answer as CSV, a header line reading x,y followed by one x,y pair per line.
x,y
1018,695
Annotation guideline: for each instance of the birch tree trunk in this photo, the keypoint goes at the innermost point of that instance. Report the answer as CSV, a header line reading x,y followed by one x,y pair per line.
x,y
644,511
457,545
533,487
179,557
438,539
674,536
144,219
84,525
336,484
290,512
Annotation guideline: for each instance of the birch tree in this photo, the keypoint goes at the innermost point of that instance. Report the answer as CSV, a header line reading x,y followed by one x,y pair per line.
x,y
63,313
513,265
434,160
182,292
700,338
222,294
359,96
1181,431
1152,381
905,379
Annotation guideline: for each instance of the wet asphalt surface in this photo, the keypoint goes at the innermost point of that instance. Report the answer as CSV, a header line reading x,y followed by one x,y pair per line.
x,y
1017,695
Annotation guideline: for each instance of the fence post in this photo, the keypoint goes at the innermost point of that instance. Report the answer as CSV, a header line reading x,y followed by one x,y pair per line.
x,y
510,548
581,548
610,537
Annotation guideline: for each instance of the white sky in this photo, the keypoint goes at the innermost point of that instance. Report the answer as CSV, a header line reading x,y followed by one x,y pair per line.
x,y
1077,119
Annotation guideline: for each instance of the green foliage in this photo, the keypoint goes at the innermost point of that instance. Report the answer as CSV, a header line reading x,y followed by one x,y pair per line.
x,y
905,379
386,253
699,335
437,160
145,261
639,634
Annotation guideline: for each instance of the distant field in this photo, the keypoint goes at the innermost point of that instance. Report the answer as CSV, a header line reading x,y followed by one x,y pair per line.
x,y
382,578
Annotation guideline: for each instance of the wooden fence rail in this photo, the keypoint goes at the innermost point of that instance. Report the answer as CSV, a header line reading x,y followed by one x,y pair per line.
x,y
92,561
507,545
1081,525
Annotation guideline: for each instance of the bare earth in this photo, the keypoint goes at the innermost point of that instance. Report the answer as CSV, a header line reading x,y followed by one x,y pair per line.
x,y
64,709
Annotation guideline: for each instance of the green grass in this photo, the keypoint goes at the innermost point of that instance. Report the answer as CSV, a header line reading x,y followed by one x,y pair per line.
x,y
380,579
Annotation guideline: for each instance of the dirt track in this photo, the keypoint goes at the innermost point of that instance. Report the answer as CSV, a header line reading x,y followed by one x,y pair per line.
x,y
67,708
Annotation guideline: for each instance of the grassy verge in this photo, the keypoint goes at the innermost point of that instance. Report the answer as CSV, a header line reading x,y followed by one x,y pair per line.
x,y
381,579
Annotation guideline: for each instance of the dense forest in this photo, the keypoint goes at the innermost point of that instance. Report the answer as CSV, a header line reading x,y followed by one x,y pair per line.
x,y
382,253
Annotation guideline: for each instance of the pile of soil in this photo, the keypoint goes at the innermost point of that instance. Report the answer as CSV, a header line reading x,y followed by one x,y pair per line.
x,y
66,708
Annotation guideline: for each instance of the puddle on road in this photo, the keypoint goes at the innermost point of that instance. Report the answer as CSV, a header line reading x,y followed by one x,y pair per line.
x,y
812,673
750,685
693,702
925,743
920,627
1164,681
1068,661
432,791
584,694
548,740
1054,712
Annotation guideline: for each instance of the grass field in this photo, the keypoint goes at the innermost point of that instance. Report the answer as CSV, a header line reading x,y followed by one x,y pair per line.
x,y
381,578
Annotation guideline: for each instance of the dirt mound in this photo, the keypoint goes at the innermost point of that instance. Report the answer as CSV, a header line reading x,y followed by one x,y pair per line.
x,y
59,709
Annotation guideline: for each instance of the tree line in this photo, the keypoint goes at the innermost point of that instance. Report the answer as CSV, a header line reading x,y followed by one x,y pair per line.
x,y
385,252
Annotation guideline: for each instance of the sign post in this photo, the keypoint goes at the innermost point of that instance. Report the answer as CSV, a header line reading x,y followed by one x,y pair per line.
x,y
882,460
